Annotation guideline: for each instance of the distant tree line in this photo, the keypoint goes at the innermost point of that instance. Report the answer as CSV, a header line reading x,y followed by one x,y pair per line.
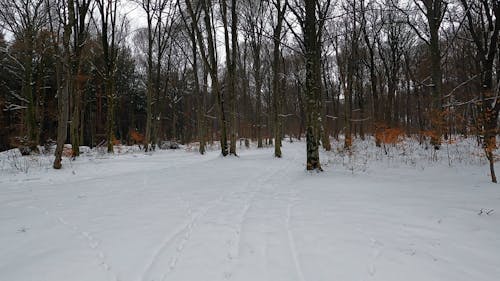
x,y
88,72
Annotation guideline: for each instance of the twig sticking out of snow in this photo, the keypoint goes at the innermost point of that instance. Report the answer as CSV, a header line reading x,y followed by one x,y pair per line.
x,y
488,212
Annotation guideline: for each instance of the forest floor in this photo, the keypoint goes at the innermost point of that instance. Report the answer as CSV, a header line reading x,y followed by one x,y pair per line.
x,y
410,214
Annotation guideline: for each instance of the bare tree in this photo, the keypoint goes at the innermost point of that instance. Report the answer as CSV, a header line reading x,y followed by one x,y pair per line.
x,y
370,28
63,80
280,9
158,34
231,47
150,8
108,29
210,60
483,23
312,51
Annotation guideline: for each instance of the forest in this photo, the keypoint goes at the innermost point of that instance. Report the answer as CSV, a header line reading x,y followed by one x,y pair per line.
x,y
108,72
249,140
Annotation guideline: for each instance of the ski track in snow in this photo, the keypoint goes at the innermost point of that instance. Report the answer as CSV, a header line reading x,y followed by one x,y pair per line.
x,y
260,184
291,244
184,234
238,197
293,197
266,189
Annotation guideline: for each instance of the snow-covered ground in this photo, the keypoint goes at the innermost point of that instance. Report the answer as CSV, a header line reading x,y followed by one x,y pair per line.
x,y
175,215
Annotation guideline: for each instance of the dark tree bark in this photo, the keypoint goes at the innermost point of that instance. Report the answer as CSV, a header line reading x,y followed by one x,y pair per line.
x,y
80,32
148,8
280,10
231,47
313,82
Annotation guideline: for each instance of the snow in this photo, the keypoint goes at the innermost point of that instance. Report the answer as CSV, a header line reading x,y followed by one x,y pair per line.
x,y
176,215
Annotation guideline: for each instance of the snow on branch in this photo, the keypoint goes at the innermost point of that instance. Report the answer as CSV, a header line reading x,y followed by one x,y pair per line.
x,y
360,120
14,107
17,96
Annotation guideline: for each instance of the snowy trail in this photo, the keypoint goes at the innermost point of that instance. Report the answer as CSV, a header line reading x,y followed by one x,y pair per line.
x,y
227,221
177,216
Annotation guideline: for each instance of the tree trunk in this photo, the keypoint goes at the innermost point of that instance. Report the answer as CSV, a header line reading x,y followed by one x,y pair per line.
x,y
211,63
110,114
258,94
325,135
62,121
75,119
149,76
233,76
230,64
198,93
434,22
64,85
313,82
275,69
